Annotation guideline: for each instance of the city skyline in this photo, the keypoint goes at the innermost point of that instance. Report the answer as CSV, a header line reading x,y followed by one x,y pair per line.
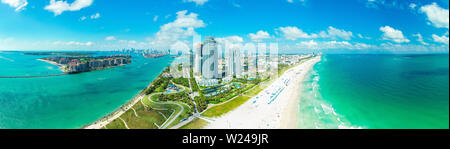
x,y
360,26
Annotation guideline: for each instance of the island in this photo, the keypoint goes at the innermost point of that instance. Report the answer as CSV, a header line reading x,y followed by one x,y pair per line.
x,y
73,65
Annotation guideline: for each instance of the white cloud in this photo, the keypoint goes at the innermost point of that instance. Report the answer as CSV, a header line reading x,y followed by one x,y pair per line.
x,y
436,15
73,43
155,18
392,34
412,5
259,36
334,33
230,39
363,37
182,28
236,5
197,2
292,1
18,4
411,48
58,7
308,44
132,42
441,39
420,38
110,38
95,16
314,45
294,33
180,46
83,18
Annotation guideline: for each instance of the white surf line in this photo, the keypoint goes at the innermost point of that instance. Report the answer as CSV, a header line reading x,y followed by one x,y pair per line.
x,y
126,126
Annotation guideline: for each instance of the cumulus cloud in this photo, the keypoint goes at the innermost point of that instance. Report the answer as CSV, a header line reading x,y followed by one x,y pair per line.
x,y
411,48
259,36
308,44
110,38
294,33
336,33
230,39
441,39
18,4
58,7
392,34
95,16
420,38
412,5
436,15
314,45
292,1
197,2
182,28
73,43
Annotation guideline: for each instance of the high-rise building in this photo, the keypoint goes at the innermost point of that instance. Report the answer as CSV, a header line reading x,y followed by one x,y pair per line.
x,y
234,62
197,59
210,59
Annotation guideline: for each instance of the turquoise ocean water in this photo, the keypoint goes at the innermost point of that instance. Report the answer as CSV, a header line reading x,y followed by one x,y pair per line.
x,y
376,91
69,101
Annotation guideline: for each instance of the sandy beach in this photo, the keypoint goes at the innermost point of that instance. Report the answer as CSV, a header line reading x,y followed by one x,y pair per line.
x,y
61,67
116,114
273,108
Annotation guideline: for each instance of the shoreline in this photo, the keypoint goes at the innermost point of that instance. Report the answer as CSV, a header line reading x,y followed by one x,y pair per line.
x,y
105,120
264,112
289,116
61,67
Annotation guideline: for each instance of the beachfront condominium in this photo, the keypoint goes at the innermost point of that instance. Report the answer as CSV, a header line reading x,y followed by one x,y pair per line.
x,y
210,59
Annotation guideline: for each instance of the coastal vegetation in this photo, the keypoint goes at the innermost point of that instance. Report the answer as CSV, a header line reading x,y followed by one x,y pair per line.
x,y
226,107
168,101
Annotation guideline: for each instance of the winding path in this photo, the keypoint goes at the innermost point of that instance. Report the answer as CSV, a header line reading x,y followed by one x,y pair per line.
x,y
170,119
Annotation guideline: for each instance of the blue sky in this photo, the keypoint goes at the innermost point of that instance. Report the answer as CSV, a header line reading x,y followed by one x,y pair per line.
x,y
394,26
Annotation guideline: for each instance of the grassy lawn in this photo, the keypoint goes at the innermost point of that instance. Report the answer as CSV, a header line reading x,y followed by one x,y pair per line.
x,y
147,117
226,107
116,124
195,124
186,113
